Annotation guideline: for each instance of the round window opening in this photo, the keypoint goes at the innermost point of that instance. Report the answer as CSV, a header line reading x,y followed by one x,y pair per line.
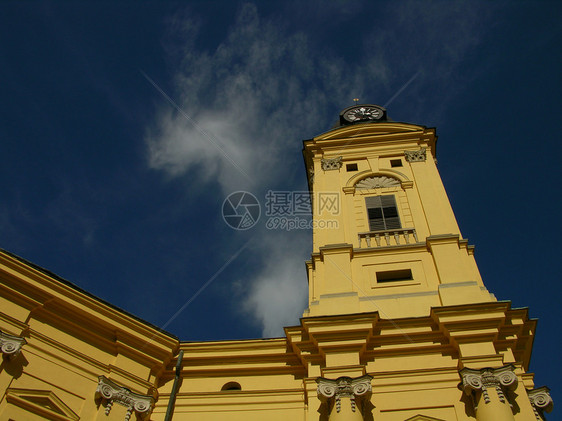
x,y
231,386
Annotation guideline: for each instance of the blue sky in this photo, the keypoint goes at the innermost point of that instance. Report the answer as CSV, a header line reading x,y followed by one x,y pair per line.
x,y
125,126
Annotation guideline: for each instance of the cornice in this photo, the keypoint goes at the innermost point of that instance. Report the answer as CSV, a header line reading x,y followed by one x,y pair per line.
x,y
244,394
441,332
196,371
238,357
490,321
254,345
101,334
84,363
14,324
389,138
199,402
45,286
382,249
369,129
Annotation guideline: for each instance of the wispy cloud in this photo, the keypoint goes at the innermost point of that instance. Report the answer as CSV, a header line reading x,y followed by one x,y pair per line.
x,y
277,294
258,92
264,88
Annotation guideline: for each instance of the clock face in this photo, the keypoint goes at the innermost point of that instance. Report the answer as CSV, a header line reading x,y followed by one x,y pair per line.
x,y
362,113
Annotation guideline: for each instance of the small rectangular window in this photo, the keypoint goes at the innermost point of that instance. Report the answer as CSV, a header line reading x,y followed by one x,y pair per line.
x,y
394,275
351,167
382,213
395,162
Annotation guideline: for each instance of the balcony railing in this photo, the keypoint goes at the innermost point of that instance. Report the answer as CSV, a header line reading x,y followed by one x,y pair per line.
x,y
387,238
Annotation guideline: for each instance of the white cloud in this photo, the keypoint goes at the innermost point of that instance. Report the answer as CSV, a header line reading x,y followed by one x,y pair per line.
x,y
278,293
252,99
261,91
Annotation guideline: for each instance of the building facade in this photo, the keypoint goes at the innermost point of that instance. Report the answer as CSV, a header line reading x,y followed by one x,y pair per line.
x,y
399,325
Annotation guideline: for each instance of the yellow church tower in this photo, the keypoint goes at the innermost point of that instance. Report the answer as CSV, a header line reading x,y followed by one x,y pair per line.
x,y
399,325
396,301
393,245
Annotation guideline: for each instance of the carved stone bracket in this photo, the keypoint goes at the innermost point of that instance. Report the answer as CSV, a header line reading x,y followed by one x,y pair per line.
x,y
11,345
501,379
344,387
416,156
111,392
332,164
541,401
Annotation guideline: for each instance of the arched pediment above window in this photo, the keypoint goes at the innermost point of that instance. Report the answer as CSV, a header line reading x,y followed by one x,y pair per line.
x,y
377,181
367,180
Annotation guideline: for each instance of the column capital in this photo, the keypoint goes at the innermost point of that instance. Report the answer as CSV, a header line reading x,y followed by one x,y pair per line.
x,y
501,379
416,156
11,345
541,401
332,163
112,392
344,387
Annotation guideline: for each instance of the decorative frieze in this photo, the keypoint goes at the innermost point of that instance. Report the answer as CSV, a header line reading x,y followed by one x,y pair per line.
x,y
331,163
344,387
541,401
111,392
11,345
416,156
500,379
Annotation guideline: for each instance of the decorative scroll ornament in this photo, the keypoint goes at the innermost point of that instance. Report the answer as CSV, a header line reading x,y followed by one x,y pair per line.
x,y
541,401
481,380
415,156
11,345
344,387
377,182
111,392
332,164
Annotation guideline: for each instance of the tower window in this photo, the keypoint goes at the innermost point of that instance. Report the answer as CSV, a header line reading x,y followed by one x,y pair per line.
x,y
351,167
395,163
394,275
383,213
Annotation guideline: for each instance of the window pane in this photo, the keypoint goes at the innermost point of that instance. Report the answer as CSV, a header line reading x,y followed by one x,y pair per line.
x,y
382,213
390,212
